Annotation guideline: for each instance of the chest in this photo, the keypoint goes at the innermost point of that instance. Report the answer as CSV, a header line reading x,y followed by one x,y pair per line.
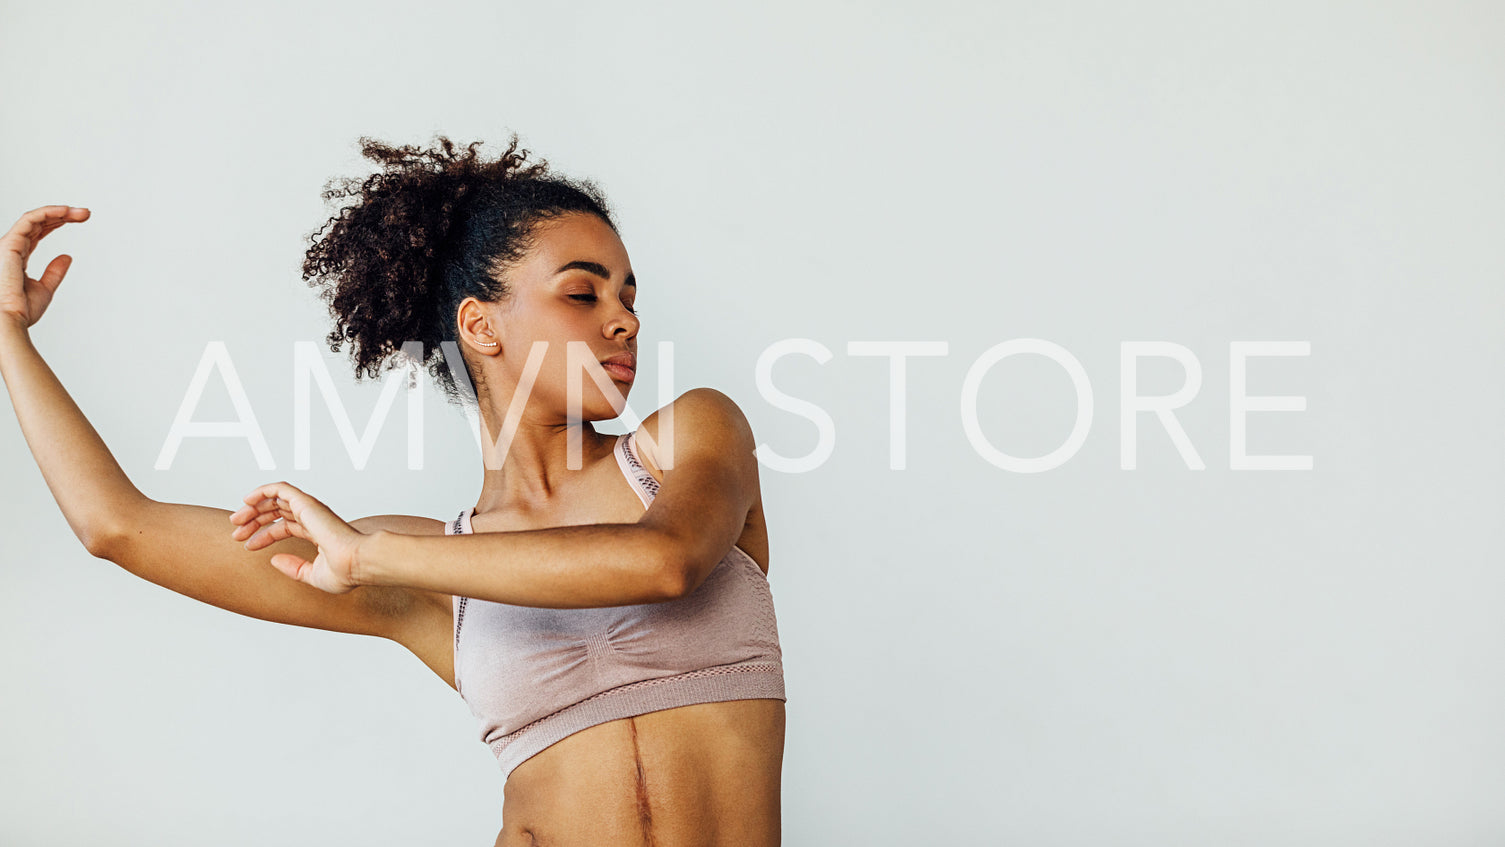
x,y
528,651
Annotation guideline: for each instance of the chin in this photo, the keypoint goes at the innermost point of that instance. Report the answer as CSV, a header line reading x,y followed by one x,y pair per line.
x,y
616,407
605,409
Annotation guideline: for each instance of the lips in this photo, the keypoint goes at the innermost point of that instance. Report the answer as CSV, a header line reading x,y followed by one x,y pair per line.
x,y
621,365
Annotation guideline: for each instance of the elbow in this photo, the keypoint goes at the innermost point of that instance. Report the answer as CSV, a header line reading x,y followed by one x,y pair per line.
x,y
674,573
102,541
683,578
108,534
672,582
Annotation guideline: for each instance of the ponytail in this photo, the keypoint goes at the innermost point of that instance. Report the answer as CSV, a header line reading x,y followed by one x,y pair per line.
x,y
431,229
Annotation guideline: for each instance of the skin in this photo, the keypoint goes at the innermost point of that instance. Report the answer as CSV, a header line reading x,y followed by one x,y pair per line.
x,y
545,534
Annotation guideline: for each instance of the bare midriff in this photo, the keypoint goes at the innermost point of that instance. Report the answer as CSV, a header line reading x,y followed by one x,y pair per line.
x,y
704,775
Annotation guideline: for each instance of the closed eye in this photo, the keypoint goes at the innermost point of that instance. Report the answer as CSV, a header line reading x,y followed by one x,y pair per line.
x,y
591,298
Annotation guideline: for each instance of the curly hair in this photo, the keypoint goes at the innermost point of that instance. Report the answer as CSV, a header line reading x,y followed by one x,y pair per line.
x,y
434,227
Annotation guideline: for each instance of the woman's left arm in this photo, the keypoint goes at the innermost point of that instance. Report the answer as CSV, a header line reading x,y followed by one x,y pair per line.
x,y
696,517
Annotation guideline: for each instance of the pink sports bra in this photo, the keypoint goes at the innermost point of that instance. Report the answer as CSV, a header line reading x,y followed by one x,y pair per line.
x,y
532,675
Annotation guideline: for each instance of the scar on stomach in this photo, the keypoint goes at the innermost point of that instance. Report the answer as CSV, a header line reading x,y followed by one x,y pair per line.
x,y
645,815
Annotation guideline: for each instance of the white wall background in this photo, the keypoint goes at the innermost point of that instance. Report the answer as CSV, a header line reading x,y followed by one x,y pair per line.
x,y
1084,656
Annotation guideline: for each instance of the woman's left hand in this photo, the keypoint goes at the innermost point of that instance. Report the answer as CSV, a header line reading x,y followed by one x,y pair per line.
x,y
279,510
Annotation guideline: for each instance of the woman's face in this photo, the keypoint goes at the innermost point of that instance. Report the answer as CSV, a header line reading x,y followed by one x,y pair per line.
x,y
571,309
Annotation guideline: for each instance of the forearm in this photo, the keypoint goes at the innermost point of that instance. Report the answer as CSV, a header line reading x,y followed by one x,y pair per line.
x,y
84,477
566,567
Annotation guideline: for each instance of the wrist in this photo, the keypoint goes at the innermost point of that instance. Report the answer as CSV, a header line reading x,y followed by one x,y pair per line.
x,y
10,325
365,562
14,336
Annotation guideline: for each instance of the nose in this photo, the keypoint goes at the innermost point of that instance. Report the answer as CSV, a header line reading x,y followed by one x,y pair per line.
x,y
623,322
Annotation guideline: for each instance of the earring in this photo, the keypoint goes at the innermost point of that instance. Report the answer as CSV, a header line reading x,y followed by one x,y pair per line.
x,y
487,343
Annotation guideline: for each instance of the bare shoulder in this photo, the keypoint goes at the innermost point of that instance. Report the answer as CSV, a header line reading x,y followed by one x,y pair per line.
x,y
699,419
702,450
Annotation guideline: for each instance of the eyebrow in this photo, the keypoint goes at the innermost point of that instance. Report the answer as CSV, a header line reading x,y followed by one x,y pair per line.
x,y
596,268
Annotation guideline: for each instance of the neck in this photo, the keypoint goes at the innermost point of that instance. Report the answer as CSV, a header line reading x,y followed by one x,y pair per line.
x,y
533,463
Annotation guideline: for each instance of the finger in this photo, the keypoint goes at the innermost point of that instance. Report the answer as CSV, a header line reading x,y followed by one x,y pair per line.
x,y
253,518
244,515
263,510
265,506
55,216
273,491
293,566
244,531
31,223
276,531
272,533
261,495
33,226
53,275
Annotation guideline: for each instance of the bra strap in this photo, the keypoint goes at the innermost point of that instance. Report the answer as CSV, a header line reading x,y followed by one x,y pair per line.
x,y
458,527
642,481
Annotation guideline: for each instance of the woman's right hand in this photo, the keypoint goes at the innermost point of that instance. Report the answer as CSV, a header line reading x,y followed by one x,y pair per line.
x,y
23,299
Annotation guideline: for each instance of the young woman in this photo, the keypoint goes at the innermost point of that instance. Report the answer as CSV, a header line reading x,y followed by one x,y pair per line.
x,y
606,616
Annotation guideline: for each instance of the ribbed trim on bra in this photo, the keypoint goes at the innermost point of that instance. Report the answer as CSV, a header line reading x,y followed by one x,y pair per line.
x,y
750,681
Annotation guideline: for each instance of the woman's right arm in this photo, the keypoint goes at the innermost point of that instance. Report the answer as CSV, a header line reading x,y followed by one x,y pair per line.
x,y
184,548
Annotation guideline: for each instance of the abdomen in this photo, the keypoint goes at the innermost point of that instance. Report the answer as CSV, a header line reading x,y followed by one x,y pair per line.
x,y
704,775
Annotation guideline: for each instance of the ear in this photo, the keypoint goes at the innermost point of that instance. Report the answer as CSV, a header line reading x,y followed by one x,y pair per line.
x,y
477,328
